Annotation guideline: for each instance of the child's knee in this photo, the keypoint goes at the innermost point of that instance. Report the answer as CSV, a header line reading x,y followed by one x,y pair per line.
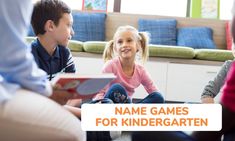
x,y
117,86
158,97
117,93
117,89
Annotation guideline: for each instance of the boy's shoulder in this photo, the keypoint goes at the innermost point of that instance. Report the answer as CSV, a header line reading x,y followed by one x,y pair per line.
x,y
34,45
34,42
64,50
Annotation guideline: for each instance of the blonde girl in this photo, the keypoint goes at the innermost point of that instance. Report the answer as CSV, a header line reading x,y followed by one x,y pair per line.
x,y
120,57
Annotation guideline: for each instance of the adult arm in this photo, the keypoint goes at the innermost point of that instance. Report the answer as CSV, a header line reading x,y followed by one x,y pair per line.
x,y
213,87
17,66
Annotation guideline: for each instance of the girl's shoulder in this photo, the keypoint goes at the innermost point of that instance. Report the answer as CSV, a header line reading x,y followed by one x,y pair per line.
x,y
111,63
140,68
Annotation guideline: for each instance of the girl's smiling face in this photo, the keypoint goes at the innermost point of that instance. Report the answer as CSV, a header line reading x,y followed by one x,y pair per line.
x,y
126,45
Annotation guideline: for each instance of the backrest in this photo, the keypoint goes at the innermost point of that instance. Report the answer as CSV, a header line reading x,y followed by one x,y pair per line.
x,y
114,20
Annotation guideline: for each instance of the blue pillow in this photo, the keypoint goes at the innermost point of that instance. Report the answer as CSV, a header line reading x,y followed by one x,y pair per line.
x,y
89,26
162,31
196,37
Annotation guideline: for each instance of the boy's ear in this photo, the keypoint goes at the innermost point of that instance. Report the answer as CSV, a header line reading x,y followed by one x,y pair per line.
x,y
49,25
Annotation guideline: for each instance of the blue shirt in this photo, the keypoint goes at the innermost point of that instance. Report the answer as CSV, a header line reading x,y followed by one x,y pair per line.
x,y
60,61
17,66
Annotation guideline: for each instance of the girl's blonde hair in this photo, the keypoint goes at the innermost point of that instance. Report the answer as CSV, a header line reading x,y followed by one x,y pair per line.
x,y
142,40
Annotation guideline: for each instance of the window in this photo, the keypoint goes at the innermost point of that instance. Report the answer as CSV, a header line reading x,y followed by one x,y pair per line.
x,y
155,7
74,4
225,9
77,4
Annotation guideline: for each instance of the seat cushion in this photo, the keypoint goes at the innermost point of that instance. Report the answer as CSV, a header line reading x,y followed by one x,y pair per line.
x,y
213,55
94,46
75,46
171,51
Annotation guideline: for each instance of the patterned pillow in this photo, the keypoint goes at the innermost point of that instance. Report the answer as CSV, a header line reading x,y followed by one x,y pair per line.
x,y
89,26
162,31
229,39
196,37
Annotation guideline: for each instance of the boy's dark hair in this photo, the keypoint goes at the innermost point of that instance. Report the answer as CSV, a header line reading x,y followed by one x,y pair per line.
x,y
45,10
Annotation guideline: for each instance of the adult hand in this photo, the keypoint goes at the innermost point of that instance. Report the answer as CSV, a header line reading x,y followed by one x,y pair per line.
x,y
208,100
74,102
61,96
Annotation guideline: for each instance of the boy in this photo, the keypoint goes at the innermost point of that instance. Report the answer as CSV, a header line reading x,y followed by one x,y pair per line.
x,y
52,24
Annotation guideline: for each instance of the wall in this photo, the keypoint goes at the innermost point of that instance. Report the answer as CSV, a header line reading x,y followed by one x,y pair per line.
x,y
196,7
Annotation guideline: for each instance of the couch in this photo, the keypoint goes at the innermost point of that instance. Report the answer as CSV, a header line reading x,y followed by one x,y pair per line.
x,y
114,20
180,72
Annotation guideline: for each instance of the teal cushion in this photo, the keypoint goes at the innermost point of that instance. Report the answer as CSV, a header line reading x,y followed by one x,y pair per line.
x,y
162,31
94,46
75,46
214,55
196,37
171,51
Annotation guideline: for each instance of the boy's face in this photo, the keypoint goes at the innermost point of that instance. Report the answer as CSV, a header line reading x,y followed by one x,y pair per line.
x,y
64,31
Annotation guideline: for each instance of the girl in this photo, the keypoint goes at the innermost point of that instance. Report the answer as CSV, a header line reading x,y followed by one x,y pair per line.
x,y
120,55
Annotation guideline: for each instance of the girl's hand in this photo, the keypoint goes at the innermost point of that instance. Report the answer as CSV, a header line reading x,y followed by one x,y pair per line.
x,y
98,96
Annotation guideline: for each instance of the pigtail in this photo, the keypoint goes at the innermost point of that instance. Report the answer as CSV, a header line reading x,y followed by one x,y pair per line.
x,y
108,51
144,40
